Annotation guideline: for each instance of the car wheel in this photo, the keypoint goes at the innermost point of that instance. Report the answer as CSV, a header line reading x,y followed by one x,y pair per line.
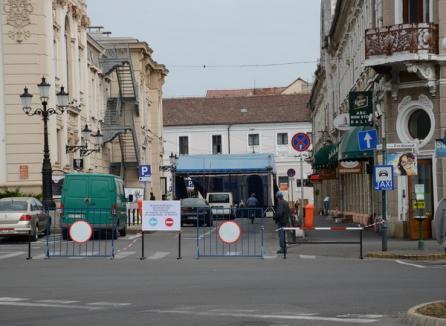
x,y
35,233
123,231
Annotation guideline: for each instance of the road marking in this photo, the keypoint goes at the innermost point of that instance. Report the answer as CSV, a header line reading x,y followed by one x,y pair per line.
x,y
109,304
57,301
159,255
121,255
133,237
260,316
233,253
47,305
307,257
12,254
201,236
409,264
13,299
269,257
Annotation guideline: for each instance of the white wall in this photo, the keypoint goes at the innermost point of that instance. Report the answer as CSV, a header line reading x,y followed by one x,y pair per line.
x,y
200,142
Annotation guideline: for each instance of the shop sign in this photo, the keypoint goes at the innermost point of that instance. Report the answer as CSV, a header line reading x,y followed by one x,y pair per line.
x,y
361,107
404,163
349,167
440,148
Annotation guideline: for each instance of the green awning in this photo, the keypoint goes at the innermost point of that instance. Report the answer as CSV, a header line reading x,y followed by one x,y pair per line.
x,y
349,146
326,157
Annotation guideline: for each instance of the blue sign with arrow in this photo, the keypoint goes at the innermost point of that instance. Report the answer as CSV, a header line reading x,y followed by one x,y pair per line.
x,y
368,140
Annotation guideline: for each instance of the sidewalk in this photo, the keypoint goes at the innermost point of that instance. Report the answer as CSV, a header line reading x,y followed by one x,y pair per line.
x,y
372,242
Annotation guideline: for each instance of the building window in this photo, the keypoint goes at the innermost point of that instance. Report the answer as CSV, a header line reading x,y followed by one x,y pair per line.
x,y
419,124
253,139
283,180
216,144
282,138
416,11
306,183
184,145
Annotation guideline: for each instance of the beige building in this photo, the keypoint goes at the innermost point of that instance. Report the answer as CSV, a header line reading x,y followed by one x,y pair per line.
x,y
395,49
114,86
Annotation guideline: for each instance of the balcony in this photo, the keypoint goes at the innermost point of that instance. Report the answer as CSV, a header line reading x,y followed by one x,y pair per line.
x,y
398,43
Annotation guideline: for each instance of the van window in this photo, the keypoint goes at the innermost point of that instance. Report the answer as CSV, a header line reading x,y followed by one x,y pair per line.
x,y
219,198
100,188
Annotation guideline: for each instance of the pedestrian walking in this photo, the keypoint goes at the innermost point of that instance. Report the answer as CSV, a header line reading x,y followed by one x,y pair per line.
x,y
282,217
252,203
326,205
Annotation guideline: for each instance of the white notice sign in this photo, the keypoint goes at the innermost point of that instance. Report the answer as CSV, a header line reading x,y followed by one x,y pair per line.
x,y
161,215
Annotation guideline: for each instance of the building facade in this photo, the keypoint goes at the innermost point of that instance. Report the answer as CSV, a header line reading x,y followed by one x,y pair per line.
x,y
52,39
240,125
393,50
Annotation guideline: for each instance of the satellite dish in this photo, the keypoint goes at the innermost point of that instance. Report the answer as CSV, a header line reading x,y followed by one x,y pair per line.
x,y
440,222
342,121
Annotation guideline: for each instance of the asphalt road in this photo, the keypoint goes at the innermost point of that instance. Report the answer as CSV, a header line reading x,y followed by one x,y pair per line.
x,y
305,289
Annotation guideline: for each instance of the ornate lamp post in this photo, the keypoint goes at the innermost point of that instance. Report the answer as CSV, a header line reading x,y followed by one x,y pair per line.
x,y
84,150
45,112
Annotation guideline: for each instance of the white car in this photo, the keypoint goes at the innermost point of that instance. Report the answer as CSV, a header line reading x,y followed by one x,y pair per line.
x,y
19,215
221,204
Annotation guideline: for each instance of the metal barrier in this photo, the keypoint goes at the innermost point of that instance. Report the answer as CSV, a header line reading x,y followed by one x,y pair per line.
x,y
333,228
75,232
230,233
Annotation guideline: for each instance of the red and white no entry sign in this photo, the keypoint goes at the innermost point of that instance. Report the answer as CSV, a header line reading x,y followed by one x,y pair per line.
x,y
229,232
169,222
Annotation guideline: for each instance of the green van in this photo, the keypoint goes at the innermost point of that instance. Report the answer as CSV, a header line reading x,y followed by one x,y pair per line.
x,y
96,198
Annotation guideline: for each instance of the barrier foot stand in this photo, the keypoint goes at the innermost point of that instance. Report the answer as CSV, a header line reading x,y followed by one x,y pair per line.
x,y
179,245
142,246
29,246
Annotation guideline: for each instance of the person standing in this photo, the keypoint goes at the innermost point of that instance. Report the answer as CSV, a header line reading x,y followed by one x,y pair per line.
x,y
152,196
282,217
326,205
252,203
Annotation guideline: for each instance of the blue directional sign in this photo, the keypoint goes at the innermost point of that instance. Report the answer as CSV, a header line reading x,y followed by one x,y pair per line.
x,y
368,140
383,177
145,173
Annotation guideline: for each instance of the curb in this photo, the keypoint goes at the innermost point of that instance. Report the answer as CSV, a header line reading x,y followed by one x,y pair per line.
x,y
416,319
390,255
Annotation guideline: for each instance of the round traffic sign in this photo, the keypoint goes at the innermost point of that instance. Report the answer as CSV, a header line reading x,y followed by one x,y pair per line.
x,y
169,222
300,142
229,232
81,231
291,173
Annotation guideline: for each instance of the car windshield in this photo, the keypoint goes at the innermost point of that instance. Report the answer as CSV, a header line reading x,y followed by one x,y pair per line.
x,y
187,202
12,205
219,198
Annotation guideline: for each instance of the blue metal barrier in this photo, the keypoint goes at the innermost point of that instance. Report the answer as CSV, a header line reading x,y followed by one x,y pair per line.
x,y
105,226
235,234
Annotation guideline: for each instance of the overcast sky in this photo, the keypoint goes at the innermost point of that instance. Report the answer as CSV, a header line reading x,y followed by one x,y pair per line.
x,y
223,35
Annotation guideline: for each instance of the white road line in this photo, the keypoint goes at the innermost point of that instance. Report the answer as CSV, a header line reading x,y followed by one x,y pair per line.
x,y
134,236
269,257
307,257
57,301
121,255
47,305
12,254
109,304
260,316
11,299
409,264
159,255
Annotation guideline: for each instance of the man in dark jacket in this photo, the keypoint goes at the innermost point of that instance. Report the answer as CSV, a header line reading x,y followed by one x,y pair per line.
x,y
282,218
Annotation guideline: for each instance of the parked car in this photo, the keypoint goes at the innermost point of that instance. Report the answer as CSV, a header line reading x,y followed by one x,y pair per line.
x,y
222,204
19,214
195,209
96,198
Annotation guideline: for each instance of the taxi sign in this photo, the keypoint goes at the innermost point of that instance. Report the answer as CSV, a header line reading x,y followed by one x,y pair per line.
x,y
383,177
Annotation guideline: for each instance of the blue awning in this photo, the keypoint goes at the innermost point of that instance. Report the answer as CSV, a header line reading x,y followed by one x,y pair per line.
x,y
223,164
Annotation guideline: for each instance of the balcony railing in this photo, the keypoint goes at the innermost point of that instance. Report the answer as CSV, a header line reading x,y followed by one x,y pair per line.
x,y
419,38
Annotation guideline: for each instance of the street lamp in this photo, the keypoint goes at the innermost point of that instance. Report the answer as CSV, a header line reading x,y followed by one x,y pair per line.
x,y
173,164
83,149
45,112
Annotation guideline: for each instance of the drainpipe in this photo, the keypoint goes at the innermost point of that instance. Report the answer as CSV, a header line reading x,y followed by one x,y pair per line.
x,y
229,139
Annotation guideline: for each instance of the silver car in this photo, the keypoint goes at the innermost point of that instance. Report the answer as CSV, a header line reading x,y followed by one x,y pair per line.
x,y
19,215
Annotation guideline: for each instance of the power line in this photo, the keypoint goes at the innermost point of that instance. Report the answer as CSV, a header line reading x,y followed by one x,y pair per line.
x,y
204,66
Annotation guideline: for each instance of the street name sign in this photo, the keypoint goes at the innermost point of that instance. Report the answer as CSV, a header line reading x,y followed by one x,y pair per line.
x,y
383,177
396,146
368,140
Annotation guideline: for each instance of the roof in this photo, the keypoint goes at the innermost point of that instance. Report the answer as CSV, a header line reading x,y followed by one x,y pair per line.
x,y
244,92
236,110
219,164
